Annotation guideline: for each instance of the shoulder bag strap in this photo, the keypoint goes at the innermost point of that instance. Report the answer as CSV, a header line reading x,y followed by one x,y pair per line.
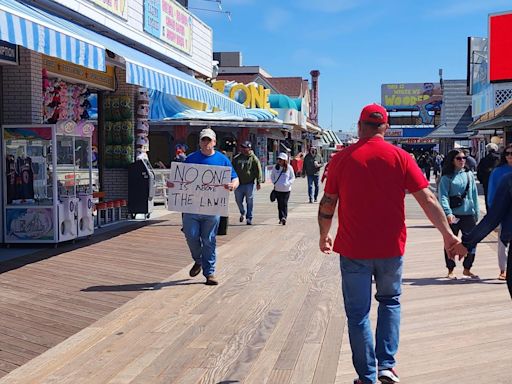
x,y
278,177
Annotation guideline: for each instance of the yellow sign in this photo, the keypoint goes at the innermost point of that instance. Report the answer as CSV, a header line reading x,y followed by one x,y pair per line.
x,y
117,7
77,73
252,96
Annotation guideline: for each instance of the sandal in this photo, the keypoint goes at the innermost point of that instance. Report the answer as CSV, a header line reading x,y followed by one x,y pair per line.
x,y
451,276
502,276
470,276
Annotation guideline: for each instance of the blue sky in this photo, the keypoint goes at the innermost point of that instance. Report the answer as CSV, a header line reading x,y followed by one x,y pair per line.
x,y
356,44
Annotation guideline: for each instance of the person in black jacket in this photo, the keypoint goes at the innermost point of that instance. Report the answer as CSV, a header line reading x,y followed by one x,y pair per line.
x,y
486,166
499,213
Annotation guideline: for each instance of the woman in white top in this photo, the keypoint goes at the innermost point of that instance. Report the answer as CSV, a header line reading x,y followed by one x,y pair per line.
x,y
283,177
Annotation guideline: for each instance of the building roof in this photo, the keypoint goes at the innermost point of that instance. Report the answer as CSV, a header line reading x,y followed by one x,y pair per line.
x,y
290,86
497,118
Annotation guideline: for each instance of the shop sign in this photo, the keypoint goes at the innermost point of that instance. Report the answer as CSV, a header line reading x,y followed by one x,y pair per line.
x,y
296,134
170,22
8,53
394,133
77,73
409,94
419,141
199,189
117,7
251,95
500,39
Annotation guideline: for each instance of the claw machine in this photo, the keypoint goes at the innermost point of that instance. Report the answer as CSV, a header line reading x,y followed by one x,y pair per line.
x,y
47,191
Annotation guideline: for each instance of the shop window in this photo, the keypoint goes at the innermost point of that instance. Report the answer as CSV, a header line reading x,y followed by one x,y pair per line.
x,y
227,144
192,142
161,149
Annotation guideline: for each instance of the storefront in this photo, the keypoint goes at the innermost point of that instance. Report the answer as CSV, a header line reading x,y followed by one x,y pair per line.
x,y
68,68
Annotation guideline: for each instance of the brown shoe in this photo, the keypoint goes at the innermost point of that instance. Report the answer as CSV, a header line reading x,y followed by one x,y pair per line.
x,y
211,280
194,271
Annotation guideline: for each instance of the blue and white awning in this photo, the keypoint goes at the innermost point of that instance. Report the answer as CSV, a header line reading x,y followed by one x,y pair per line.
x,y
23,25
149,72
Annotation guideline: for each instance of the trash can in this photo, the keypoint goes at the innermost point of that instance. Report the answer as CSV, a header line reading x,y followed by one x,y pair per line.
x,y
223,226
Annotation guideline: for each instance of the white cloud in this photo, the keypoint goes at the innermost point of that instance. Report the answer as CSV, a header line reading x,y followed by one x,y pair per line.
x,y
275,18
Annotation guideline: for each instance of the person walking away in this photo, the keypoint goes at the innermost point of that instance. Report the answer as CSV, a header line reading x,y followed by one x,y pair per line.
x,y
499,213
459,198
312,164
282,176
504,168
324,174
248,168
486,166
201,230
368,181
427,164
470,161
437,162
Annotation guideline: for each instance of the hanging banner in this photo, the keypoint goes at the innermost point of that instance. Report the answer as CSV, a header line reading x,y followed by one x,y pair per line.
x,y
117,7
199,189
170,22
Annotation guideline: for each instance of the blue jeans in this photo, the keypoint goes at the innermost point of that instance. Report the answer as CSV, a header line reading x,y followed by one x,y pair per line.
x,y
200,232
356,284
247,191
312,179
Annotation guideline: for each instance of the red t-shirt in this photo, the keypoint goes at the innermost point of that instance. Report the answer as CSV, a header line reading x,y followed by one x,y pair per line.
x,y
370,179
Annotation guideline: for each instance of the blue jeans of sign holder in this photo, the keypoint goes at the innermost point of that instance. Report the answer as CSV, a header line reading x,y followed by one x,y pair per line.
x,y
313,179
356,278
200,232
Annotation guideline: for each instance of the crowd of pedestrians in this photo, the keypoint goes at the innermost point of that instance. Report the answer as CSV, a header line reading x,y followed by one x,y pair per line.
x,y
367,183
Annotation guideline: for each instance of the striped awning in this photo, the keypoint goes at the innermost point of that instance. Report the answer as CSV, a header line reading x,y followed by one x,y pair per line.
x,y
146,71
26,26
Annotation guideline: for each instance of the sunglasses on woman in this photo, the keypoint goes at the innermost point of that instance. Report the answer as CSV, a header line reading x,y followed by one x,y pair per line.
x,y
508,153
460,158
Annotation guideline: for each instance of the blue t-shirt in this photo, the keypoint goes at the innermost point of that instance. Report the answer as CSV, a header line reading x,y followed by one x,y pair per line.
x,y
216,159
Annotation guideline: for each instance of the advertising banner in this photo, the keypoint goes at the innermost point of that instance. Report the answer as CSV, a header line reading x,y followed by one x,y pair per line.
x,y
199,189
426,98
500,41
117,7
170,22
34,224
478,61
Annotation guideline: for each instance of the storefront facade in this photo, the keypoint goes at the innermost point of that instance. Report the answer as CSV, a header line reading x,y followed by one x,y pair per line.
x,y
63,68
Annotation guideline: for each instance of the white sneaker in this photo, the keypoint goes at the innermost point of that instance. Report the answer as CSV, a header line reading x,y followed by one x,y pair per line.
x,y
388,376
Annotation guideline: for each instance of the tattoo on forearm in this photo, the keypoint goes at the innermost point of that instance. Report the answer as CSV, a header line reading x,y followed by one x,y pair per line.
x,y
326,200
322,215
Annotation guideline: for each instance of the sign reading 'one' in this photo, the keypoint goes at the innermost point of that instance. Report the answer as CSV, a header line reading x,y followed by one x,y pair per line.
x,y
199,189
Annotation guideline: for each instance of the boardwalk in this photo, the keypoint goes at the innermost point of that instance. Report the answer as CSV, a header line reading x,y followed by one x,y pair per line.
x,y
123,310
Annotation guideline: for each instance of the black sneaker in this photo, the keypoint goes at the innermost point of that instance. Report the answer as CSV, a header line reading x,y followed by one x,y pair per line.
x,y
283,221
249,221
194,271
242,218
211,280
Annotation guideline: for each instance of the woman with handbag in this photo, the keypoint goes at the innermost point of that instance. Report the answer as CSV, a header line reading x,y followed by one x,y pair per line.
x,y
283,177
458,196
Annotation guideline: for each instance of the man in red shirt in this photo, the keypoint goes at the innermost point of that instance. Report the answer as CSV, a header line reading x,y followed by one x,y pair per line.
x,y
368,182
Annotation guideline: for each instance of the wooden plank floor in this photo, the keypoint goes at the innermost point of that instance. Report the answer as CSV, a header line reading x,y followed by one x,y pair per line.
x,y
276,317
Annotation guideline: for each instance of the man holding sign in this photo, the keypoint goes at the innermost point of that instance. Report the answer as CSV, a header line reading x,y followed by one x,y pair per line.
x,y
196,191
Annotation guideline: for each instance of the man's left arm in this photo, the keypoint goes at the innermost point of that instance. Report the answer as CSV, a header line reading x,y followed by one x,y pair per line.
x,y
326,211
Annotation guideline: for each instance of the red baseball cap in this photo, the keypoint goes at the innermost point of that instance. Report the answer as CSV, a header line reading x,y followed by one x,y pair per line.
x,y
366,114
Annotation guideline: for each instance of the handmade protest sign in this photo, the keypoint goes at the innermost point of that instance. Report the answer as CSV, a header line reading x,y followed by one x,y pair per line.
x,y
199,189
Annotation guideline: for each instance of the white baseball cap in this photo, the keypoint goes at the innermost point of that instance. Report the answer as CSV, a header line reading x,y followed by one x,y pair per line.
x,y
207,132
283,156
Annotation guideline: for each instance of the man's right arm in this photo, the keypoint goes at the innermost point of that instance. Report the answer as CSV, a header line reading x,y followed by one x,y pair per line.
x,y
428,202
326,211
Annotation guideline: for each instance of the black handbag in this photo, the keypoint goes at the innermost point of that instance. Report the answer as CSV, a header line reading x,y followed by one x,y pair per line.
x,y
273,194
456,201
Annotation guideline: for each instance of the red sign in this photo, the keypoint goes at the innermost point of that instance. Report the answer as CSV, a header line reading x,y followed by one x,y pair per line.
x,y
500,47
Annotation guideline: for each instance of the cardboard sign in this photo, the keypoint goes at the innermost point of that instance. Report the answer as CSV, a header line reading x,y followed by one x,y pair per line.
x,y
199,189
